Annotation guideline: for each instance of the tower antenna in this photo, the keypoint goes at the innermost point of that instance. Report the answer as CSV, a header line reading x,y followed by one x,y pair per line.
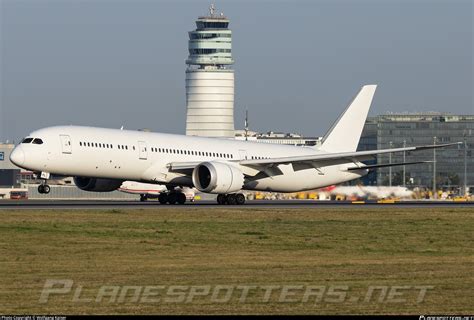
x,y
246,124
212,10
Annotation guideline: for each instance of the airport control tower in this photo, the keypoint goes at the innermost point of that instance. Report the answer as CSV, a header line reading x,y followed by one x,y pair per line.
x,y
210,78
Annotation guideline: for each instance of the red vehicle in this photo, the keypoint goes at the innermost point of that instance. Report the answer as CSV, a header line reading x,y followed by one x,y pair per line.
x,y
18,195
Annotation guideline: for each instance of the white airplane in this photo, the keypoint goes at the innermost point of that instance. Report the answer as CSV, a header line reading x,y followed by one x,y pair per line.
x,y
153,191
101,159
379,192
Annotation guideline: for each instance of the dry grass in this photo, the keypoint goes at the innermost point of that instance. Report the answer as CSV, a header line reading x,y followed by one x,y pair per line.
x,y
356,247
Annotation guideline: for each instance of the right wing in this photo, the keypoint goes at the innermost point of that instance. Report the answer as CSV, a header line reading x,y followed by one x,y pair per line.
x,y
310,161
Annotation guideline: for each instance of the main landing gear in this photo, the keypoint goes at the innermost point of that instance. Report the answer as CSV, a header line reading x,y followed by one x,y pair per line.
x,y
232,199
172,197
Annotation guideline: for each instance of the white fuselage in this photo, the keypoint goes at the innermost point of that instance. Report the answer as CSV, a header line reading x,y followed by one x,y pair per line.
x,y
145,157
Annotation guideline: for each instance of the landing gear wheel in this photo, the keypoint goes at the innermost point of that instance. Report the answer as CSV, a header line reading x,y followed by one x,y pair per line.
x,y
143,197
44,189
221,199
181,198
240,198
163,198
173,198
231,199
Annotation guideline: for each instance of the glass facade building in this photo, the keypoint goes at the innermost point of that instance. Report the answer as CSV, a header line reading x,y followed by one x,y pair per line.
x,y
398,130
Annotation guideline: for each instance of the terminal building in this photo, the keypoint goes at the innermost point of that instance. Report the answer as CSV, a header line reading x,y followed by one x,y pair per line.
x,y
210,78
9,173
293,139
451,164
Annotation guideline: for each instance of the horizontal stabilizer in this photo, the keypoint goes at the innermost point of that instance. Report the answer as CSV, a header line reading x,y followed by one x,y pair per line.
x,y
375,166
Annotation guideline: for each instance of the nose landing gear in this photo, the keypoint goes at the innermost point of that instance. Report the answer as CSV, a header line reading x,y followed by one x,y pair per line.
x,y
44,188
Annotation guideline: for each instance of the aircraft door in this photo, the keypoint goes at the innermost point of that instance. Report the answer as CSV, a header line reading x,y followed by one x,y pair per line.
x,y
66,146
142,152
243,154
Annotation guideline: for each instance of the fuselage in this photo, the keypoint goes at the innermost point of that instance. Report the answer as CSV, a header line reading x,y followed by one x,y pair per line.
x,y
145,157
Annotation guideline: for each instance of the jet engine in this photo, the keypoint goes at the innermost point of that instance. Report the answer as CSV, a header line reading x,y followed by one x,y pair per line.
x,y
97,185
217,177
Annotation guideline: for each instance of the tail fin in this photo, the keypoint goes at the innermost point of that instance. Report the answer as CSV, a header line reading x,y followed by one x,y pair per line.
x,y
345,133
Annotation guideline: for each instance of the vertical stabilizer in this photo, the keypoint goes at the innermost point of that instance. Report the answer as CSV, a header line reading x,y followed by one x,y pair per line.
x,y
345,133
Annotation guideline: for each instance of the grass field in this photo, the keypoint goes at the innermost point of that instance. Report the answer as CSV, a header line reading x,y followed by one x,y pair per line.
x,y
352,249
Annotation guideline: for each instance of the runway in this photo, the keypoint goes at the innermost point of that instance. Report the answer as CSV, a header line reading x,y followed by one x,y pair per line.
x,y
250,204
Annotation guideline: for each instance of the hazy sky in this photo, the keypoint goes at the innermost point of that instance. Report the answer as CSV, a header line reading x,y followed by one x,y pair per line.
x,y
298,63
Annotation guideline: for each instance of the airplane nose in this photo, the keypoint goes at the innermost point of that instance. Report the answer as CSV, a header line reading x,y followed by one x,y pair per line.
x,y
17,156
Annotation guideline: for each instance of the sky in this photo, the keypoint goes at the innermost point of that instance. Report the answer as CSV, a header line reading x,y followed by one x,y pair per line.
x,y
116,63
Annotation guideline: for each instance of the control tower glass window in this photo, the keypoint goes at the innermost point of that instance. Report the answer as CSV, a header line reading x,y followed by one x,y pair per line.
x,y
211,25
209,35
208,51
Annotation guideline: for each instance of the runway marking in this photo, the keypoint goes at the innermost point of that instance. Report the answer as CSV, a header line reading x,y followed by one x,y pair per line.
x,y
251,204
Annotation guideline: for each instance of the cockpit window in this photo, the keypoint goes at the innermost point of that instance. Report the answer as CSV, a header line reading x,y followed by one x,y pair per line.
x,y
27,140
37,141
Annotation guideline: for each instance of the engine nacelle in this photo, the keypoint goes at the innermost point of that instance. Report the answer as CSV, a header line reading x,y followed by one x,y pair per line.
x,y
217,177
97,185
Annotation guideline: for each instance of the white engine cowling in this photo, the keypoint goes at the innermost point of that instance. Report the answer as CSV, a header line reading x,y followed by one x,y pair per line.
x,y
97,185
217,177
